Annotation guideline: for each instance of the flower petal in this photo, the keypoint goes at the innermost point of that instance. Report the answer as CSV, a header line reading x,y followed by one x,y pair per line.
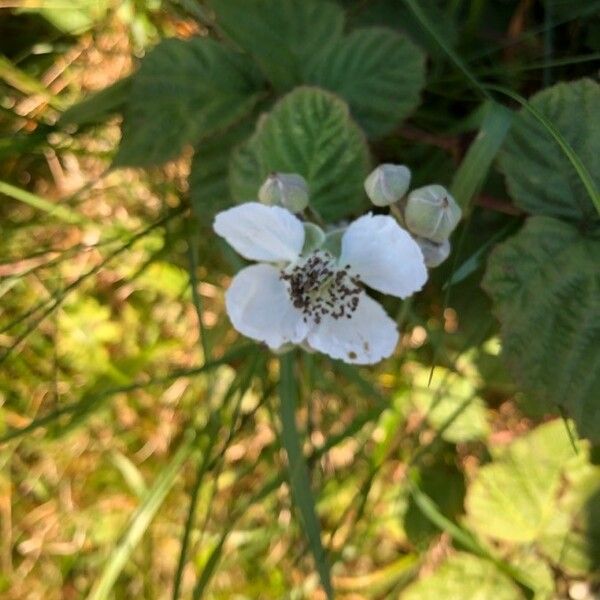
x,y
259,306
366,338
384,256
260,232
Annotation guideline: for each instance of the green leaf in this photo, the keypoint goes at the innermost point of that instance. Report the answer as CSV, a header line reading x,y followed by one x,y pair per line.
x,y
514,498
281,35
450,404
538,173
463,536
546,291
100,105
140,521
466,577
209,191
379,72
185,90
311,133
298,471
539,572
572,540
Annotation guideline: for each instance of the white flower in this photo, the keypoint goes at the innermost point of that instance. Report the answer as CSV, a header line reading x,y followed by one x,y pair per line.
x,y
318,300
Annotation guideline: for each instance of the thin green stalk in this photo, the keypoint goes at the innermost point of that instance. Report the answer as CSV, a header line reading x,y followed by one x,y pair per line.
x,y
298,471
26,84
471,264
57,300
54,210
197,299
273,484
548,42
429,27
475,166
587,9
191,514
211,463
566,61
141,519
96,399
463,536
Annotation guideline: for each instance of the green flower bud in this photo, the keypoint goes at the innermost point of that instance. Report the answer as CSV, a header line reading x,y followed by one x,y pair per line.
x,y
432,213
387,184
434,254
285,189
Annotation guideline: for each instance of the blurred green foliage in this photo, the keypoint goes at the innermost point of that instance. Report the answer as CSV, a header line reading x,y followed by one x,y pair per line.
x,y
141,440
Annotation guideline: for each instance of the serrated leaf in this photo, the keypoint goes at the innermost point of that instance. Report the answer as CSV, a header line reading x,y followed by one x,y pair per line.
x,y
545,285
281,35
466,577
379,72
572,540
209,191
539,572
515,497
184,90
539,177
309,132
451,405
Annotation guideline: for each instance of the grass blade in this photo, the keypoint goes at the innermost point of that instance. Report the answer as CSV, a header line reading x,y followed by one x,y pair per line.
x,y
95,400
54,210
27,85
273,484
474,168
49,306
430,28
476,260
298,471
238,388
463,536
191,514
141,519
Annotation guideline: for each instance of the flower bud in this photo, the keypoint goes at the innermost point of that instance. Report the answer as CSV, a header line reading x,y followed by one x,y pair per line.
x,y
434,254
432,213
387,184
285,189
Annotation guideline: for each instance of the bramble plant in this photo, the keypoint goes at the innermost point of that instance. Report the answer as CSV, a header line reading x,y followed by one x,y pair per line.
x,y
391,250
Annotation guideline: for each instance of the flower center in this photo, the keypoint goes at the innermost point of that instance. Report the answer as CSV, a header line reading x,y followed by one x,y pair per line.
x,y
319,287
